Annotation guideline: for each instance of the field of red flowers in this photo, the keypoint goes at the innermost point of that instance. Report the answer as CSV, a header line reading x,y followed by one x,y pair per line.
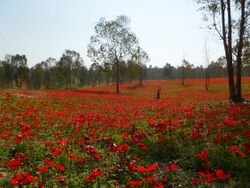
x,y
96,138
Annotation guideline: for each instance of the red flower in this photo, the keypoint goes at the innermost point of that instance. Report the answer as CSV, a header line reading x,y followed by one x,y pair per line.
x,y
135,183
208,164
59,167
81,160
123,147
96,173
149,179
50,163
60,178
47,143
203,155
221,175
136,158
73,156
22,179
113,148
196,135
22,157
89,178
42,169
233,148
18,138
171,167
163,180
138,168
240,154
93,175
196,181
13,164
209,177
97,156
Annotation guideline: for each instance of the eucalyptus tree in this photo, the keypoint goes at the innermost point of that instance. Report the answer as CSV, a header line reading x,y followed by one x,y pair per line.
x,y
184,69
36,76
69,69
112,44
6,74
49,79
230,19
132,70
96,73
167,69
20,69
140,57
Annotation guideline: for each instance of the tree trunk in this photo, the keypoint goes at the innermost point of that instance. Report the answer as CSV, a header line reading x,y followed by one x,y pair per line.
x,y
117,77
227,42
141,75
183,78
230,54
239,52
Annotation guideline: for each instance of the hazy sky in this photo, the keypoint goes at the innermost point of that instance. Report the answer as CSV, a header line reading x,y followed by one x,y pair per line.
x,y
168,30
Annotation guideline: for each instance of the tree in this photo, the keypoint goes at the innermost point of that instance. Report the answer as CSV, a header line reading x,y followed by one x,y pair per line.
x,y
217,68
207,62
97,76
113,43
20,69
140,57
168,68
6,73
49,79
132,70
185,68
226,24
69,68
36,76
246,55
84,76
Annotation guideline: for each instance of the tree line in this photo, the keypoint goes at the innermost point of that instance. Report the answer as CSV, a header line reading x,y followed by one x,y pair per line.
x,y
70,72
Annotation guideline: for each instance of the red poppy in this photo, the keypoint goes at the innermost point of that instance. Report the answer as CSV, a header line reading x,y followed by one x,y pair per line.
x,y
22,179
96,172
163,180
222,175
196,181
135,183
93,175
14,164
233,148
171,167
203,155
59,167
42,169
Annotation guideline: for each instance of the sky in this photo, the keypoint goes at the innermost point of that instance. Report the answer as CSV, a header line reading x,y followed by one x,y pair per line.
x,y
168,30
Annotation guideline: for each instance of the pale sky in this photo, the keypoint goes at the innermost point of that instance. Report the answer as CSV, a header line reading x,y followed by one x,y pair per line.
x,y
168,30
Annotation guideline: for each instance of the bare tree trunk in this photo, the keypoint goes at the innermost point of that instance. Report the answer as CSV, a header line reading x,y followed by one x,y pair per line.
x,y
207,72
239,52
183,78
206,80
141,75
227,42
117,77
158,93
230,58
